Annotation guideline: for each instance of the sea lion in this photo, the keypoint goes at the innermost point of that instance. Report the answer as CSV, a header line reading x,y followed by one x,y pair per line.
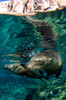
x,y
50,61
21,70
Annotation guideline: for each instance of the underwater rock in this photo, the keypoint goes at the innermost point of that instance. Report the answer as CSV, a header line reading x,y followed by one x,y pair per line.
x,y
30,7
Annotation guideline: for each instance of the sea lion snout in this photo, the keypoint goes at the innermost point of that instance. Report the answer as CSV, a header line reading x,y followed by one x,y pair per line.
x,y
9,67
5,66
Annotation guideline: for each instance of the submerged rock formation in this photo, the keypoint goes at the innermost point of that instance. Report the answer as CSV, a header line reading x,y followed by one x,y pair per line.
x,y
54,89
30,7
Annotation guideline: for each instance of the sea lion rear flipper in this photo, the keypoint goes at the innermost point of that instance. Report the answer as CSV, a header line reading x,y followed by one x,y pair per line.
x,y
58,73
49,38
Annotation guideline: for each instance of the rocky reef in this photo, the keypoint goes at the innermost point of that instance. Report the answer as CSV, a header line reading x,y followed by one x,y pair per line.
x,y
54,89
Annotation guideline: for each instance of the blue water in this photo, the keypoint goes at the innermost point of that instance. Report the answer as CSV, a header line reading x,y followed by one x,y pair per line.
x,y
15,34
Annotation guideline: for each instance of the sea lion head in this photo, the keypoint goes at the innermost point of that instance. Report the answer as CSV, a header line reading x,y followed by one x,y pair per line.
x,y
39,61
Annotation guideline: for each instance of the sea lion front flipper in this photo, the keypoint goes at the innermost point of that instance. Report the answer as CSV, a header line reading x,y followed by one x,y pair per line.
x,y
58,73
41,72
47,77
48,74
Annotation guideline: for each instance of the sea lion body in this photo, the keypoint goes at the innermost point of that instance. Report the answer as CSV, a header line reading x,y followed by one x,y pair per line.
x,y
50,61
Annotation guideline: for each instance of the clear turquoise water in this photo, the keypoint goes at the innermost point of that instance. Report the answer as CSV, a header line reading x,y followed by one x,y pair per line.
x,y
16,33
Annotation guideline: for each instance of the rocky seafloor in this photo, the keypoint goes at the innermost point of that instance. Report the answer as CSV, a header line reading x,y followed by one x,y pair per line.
x,y
15,89
54,89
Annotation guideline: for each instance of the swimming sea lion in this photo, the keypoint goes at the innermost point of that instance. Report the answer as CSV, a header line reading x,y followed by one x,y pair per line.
x,y
50,61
